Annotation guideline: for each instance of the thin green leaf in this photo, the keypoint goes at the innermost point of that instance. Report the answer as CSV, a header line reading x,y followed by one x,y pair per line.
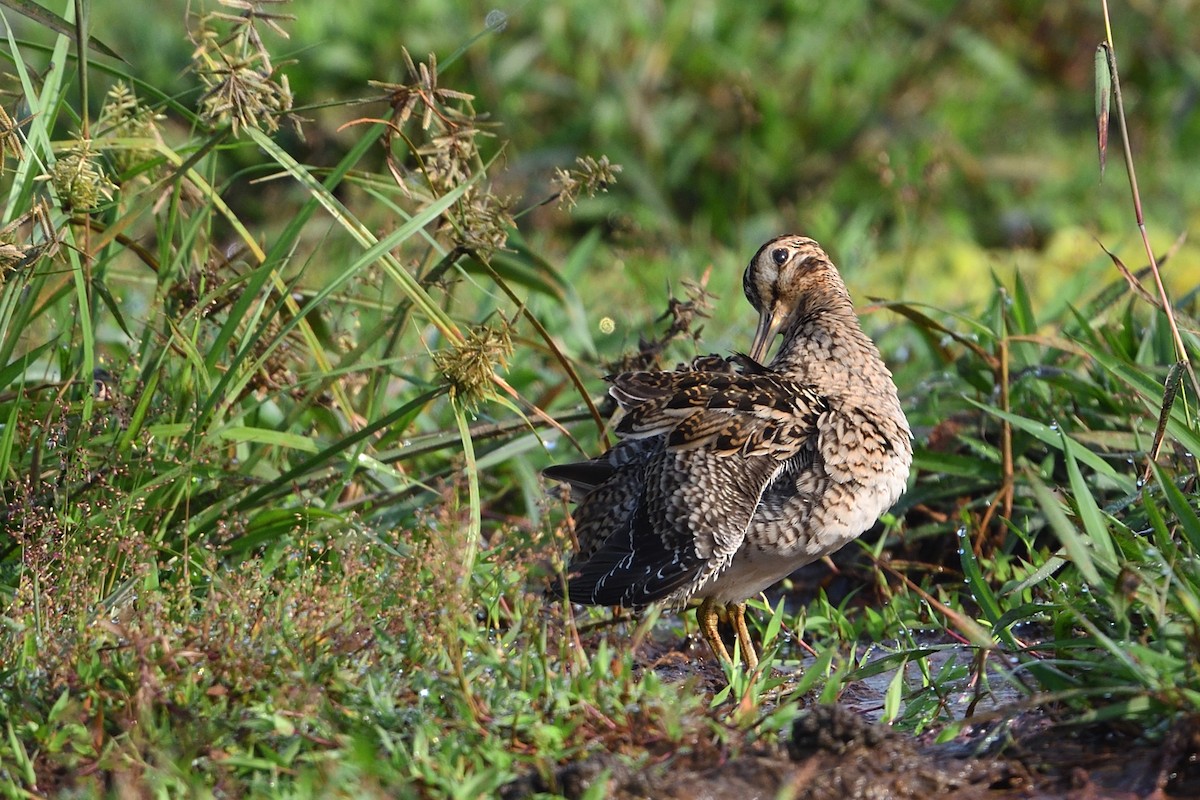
x,y
1094,522
1051,436
49,19
20,365
1077,551
274,524
1189,522
1052,565
1151,393
878,666
322,194
774,624
246,434
980,589
475,523
1103,102
8,435
138,418
814,673
99,288
394,419
1024,320
894,694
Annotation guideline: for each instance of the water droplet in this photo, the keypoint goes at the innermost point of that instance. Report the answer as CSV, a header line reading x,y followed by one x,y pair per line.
x,y
496,20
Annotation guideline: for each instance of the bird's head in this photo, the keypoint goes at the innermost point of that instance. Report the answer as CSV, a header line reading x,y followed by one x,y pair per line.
x,y
787,277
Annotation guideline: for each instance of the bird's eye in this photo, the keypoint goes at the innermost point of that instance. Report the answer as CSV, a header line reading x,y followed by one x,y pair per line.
x,y
779,256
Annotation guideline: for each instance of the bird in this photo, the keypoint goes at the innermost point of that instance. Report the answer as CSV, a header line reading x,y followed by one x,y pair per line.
x,y
729,473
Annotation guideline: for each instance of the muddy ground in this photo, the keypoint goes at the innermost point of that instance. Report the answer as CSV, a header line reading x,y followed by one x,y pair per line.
x,y
835,754
840,753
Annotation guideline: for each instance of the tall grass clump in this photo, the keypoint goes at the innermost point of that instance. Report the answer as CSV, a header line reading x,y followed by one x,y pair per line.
x,y
1060,452
1076,577
247,405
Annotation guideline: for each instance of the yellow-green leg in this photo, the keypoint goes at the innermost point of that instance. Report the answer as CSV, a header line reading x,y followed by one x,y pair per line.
x,y
709,614
706,617
737,616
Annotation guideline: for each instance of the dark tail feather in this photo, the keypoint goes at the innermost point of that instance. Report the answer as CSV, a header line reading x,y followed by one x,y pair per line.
x,y
582,476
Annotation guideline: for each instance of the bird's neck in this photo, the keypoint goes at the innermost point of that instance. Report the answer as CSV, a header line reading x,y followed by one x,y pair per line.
x,y
824,340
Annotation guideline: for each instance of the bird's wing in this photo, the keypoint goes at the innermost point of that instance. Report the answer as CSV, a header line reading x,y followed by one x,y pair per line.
x,y
674,519
607,490
761,413
675,527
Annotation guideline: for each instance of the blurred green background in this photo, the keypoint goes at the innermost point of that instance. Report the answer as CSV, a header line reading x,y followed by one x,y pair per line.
x,y
927,144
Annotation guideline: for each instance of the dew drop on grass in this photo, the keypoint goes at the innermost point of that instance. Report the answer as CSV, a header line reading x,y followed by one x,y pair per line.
x,y
496,20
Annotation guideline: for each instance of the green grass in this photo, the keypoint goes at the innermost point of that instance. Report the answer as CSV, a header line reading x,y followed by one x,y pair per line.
x,y
272,411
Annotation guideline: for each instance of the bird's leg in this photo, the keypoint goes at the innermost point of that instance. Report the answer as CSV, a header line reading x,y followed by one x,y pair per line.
x,y
706,617
737,616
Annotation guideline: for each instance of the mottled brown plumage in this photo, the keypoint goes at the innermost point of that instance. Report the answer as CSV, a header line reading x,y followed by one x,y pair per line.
x,y
728,474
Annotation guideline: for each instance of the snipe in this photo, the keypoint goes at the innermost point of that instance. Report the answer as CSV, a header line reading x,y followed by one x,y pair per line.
x,y
729,475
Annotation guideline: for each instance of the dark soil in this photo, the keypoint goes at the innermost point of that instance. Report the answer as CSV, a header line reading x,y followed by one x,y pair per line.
x,y
835,754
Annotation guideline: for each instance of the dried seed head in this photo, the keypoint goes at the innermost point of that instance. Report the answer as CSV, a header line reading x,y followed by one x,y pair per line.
x,y
10,138
242,86
78,179
241,93
124,117
469,366
481,222
591,177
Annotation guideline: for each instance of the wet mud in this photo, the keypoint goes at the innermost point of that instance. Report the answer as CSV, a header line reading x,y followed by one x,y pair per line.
x,y
834,753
